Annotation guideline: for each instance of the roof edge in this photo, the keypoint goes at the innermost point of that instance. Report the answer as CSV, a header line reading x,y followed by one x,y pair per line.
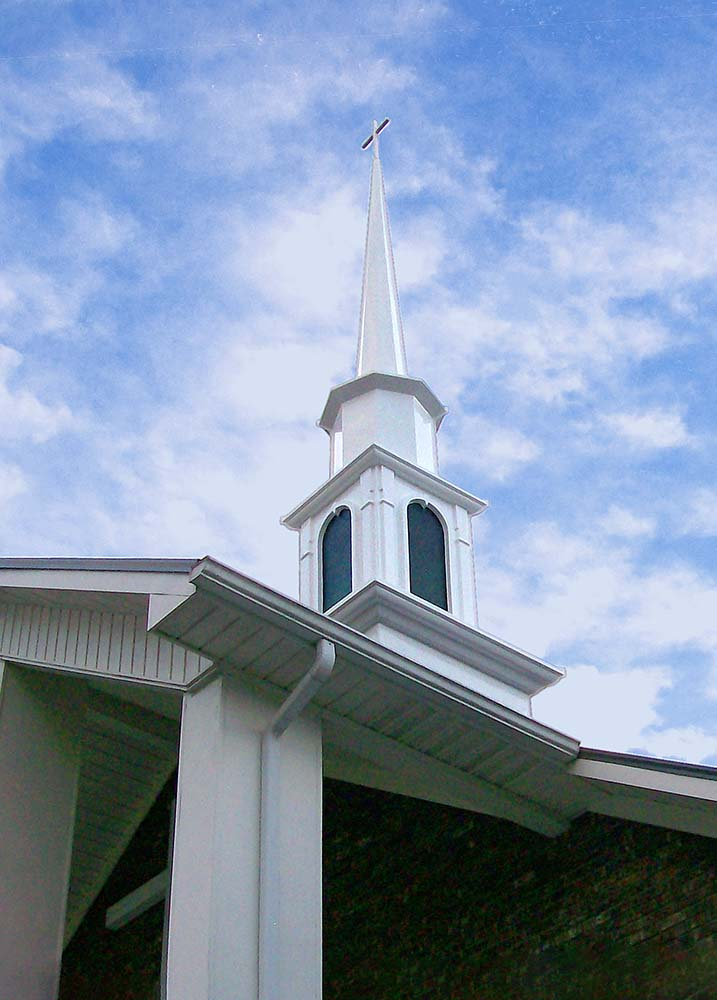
x,y
214,577
109,564
661,764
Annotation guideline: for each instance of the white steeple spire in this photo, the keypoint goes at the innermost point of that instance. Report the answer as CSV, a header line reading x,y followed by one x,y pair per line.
x,y
385,544
381,346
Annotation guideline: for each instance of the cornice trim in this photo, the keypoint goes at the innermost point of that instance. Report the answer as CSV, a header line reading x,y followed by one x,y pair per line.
x,y
375,455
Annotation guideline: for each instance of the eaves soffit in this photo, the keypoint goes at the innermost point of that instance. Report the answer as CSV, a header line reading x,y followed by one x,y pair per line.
x,y
226,600
377,603
404,384
372,456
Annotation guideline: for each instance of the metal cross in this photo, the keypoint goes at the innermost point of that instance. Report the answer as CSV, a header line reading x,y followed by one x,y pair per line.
x,y
374,135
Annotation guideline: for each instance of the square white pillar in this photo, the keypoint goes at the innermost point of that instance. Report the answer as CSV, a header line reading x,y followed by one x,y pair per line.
x,y
40,728
213,947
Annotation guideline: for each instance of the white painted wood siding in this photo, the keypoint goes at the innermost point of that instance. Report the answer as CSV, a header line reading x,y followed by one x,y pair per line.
x,y
103,642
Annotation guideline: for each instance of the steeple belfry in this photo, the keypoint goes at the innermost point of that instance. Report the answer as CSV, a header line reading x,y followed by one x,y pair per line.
x,y
381,347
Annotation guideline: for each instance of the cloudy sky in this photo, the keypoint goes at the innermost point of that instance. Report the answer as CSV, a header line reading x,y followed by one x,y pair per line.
x,y
182,212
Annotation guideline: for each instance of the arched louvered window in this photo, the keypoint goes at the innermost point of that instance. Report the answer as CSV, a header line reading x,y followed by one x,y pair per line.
x,y
427,555
336,558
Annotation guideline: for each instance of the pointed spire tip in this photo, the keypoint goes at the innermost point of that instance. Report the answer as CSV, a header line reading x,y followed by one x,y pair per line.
x,y
380,345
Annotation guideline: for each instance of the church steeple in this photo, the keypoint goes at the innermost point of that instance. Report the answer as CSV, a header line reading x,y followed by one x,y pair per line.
x,y
381,347
385,544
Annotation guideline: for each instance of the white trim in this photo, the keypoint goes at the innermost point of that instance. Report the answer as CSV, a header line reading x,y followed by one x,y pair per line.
x,y
378,604
374,455
212,579
648,778
403,384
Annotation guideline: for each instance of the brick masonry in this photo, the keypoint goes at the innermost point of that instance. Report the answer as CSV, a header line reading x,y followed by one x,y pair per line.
x,y
424,901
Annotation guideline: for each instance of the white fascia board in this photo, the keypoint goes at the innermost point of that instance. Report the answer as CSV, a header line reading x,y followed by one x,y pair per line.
x,y
404,384
233,588
101,576
374,455
377,603
653,778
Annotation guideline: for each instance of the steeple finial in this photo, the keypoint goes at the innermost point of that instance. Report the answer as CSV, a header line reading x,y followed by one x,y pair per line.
x,y
380,344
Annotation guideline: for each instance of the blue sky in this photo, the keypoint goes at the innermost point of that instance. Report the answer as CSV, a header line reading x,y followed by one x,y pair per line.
x,y
182,212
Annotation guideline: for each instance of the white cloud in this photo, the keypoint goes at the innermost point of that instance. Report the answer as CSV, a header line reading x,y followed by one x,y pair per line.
x,y
653,429
22,415
665,249
689,743
74,90
551,589
93,230
278,381
305,255
711,685
12,482
699,514
620,711
608,711
558,315
623,523
49,297
419,253
33,301
495,452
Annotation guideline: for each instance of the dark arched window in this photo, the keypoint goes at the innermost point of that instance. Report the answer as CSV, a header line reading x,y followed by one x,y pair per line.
x,y
336,558
427,555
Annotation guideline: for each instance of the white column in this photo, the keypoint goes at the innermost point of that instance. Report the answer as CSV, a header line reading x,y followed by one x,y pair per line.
x,y
214,903
40,722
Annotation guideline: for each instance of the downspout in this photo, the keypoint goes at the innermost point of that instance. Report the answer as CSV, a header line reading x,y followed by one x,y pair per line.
x,y
269,846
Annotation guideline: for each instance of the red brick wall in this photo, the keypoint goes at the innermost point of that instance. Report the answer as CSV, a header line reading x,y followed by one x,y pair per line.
x,y
423,901
426,901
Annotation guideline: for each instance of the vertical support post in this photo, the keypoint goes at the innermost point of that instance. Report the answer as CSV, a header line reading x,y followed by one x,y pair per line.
x,y
40,728
269,874
270,819
214,909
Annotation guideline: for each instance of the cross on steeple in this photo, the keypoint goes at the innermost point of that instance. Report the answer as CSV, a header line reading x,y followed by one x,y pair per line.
x,y
373,138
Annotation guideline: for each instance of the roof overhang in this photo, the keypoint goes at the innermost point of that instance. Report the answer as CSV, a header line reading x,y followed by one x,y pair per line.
x,y
663,793
378,604
404,384
388,721
110,575
397,724
377,701
374,455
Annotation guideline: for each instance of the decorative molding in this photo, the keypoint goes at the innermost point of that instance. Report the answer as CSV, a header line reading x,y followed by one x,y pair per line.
x,y
403,384
374,456
377,604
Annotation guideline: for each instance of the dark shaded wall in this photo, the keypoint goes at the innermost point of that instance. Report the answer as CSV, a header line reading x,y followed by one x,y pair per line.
x,y
124,964
426,901
423,901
